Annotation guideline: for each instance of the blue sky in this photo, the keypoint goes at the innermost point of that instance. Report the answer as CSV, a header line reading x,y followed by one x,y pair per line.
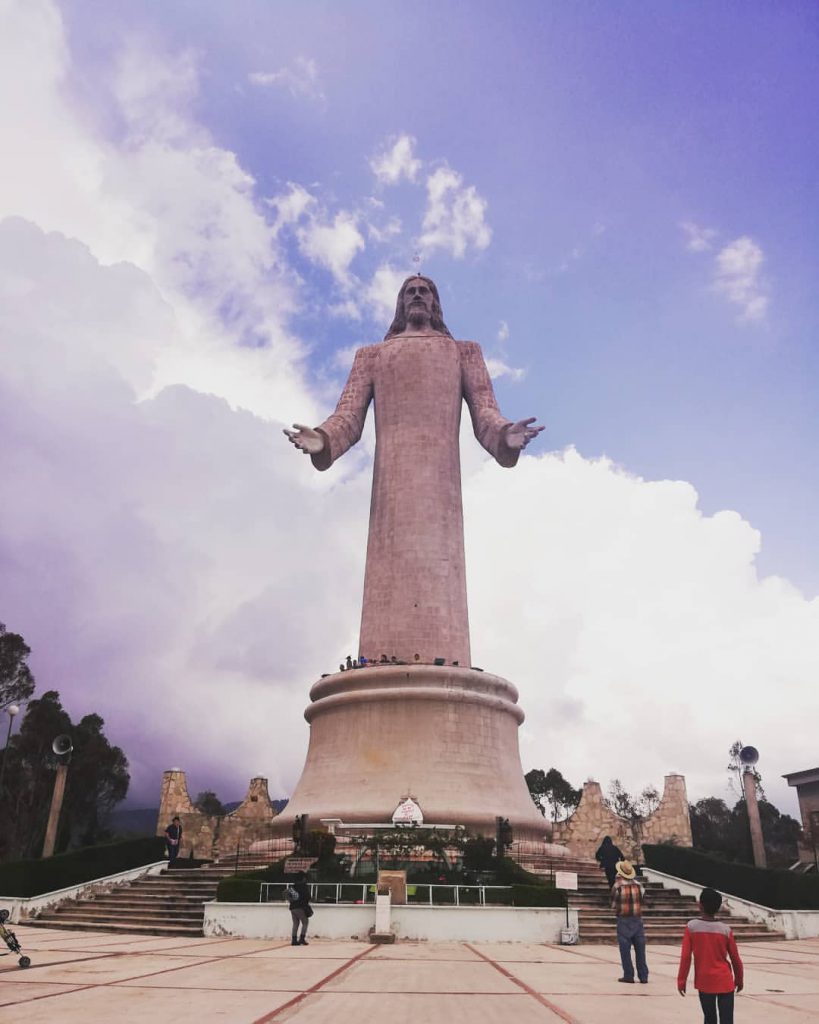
x,y
592,131
619,201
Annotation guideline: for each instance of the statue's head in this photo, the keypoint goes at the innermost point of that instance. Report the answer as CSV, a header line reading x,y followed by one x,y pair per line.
x,y
402,317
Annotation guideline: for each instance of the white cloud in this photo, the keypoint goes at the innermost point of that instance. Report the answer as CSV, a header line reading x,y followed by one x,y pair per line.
x,y
503,332
163,197
292,205
455,217
301,78
498,368
381,292
737,277
397,161
697,238
635,626
164,518
384,232
332,244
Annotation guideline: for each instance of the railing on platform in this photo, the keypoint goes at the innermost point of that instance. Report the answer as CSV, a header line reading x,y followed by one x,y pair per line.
x,y
430,895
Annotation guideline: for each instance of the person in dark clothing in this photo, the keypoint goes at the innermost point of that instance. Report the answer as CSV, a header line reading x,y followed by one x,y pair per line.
x,y
298,895
173,840
607,857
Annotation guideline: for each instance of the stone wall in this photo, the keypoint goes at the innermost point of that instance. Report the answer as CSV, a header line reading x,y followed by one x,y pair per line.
x,y
209,836
583,832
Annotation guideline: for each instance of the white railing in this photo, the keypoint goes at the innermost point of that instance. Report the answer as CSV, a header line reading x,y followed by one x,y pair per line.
x,y
364,892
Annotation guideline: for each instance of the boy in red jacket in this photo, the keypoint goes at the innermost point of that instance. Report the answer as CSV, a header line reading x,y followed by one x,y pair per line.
x,y
712,944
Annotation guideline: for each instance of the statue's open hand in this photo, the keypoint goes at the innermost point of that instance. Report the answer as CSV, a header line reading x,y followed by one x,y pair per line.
x,y
306,439
519,434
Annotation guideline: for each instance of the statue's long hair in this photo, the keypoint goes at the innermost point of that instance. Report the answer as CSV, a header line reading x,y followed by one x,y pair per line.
x,y
400,321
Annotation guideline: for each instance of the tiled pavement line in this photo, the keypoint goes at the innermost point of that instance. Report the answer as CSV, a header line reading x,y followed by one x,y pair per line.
x,y
59,963
119,981
767,1001
562,1014
268,1017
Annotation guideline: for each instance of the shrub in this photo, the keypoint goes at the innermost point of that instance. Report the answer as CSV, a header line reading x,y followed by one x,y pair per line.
x,y
537,896
239,889
778,889
245,887
35,877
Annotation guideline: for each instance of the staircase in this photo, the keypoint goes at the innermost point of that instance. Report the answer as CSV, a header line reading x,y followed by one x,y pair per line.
x,y
170,903
665,911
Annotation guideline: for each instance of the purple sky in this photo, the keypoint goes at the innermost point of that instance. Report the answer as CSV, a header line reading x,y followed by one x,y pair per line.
x,y
208,206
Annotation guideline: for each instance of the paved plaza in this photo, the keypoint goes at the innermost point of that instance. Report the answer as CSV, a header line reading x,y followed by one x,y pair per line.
x,y
85,976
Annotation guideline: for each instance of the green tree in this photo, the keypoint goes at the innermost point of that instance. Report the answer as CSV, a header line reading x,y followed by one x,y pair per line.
x,y
97,780
209,803
724,831
550,791
16,679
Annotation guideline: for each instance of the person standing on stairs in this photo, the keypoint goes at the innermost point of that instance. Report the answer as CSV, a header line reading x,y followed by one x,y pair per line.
x,y
173,839
627,902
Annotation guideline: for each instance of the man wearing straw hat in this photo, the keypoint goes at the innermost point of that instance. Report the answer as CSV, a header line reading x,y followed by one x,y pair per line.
x,y
627,902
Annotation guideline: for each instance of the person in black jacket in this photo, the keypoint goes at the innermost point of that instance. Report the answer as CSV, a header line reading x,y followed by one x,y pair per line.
x,y
300,909
607,857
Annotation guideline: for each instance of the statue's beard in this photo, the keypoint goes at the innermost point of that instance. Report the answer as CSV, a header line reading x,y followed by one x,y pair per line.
x,y
418,315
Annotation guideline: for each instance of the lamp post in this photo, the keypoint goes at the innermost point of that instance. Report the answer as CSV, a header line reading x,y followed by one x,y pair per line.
x,y
749,757
62,747
11,711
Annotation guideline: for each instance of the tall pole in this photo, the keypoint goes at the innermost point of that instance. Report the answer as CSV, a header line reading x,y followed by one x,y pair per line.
x,y
56,807
11,711
757,843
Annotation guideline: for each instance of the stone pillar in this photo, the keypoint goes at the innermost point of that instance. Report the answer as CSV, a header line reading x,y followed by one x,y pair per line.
x,y
757,842
174,799
56,807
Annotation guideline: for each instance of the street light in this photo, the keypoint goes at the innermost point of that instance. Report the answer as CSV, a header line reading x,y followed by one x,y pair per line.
x,y
11,710
62,747
749,756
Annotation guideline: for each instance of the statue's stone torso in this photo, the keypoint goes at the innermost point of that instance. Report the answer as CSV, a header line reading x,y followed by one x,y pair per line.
x,y
415,586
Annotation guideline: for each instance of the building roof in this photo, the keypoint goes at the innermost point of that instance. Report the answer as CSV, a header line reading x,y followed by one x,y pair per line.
x,y
800,778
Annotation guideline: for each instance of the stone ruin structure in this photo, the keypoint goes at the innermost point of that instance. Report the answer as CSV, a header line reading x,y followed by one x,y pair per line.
x,y
210,836
583,832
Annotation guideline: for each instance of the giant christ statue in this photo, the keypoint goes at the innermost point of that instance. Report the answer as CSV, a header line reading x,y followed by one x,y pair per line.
x,y
430,727
415,606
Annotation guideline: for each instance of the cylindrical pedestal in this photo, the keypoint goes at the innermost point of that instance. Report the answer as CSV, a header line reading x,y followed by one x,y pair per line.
x,y
447,737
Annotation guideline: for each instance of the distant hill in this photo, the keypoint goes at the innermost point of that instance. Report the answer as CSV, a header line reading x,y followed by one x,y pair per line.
x,y
141,821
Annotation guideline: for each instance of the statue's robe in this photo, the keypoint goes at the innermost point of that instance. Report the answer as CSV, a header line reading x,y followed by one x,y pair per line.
x,y
415,583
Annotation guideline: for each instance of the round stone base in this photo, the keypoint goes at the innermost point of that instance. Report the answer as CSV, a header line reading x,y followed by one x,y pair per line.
x,y
445,736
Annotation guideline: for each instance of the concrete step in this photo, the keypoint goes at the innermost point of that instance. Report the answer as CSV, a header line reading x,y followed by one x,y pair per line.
x,y
45,921
83,910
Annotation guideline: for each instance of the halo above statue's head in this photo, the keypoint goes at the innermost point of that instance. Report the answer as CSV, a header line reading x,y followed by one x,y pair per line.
x,y
399,323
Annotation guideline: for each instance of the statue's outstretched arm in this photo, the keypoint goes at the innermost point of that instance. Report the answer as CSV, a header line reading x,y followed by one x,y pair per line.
x,y
340,431
503,439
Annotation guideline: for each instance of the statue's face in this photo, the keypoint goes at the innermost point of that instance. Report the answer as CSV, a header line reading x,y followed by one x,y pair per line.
x,y
418,300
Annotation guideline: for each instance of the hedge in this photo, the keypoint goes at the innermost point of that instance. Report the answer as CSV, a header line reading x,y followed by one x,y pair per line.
x,y
537,896
777,889
245,887
35,877
238,889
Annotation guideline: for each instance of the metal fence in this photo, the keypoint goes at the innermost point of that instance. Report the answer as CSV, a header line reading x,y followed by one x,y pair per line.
x,y
429,895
